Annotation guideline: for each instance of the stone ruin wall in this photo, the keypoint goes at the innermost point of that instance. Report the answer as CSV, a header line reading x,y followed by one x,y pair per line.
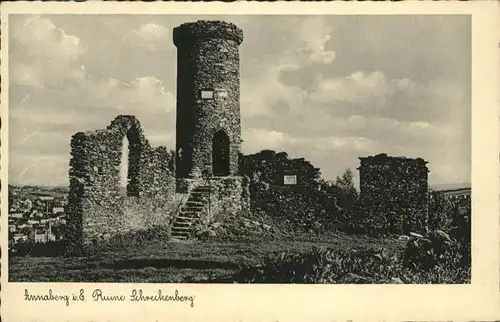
x,y
97,209
396,190
229,196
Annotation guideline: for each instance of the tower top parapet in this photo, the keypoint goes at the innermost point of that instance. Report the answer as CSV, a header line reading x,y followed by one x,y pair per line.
x,y
206,29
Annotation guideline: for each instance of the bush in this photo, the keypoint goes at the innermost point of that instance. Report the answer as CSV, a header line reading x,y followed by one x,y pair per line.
x,y
436,249
126,241
30,248
242,226
323,266
436,258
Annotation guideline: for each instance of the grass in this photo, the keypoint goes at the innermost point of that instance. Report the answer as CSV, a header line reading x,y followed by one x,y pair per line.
x,y
171,262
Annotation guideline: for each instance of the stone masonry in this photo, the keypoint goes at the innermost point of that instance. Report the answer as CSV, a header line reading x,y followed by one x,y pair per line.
x,y
208,96
97,209
208,122
395,189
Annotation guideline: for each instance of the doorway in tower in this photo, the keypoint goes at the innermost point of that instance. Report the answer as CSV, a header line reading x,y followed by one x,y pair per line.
x,y
220,154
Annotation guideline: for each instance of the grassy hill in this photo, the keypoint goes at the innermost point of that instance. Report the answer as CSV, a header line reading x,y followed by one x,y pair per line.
x,y
174,262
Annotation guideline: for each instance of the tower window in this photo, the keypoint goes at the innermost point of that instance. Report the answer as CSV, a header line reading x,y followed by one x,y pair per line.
x,y
207,94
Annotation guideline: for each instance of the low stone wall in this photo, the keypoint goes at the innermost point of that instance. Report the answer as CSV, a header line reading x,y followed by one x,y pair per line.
x,y
97,209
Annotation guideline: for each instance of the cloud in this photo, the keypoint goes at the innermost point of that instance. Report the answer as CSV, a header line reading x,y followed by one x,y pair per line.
x,y
314,87
28,165
46,55
52,97
305,45
360,88
314,33
142,94
148,36
257,139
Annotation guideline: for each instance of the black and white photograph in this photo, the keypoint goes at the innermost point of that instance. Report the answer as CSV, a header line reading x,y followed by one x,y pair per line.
x,y
282,149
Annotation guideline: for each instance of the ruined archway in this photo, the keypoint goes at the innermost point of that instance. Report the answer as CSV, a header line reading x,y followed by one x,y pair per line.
x,y
220,154
127,130
96,209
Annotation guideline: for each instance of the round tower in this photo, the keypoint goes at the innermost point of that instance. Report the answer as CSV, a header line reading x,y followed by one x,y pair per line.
x,y
208,99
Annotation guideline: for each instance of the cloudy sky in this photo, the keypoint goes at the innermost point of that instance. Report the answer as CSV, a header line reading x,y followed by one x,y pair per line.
x,y
327,88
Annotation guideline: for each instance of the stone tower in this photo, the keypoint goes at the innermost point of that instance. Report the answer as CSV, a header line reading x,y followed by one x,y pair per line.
x,y
208,99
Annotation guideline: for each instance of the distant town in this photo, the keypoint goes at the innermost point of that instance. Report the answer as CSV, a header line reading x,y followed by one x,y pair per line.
x,y
36,214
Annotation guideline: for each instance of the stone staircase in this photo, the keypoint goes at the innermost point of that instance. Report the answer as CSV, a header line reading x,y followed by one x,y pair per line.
x,y
198,199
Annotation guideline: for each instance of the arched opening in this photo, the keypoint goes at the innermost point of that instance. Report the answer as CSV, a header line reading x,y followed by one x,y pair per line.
x,y
124,167
220,154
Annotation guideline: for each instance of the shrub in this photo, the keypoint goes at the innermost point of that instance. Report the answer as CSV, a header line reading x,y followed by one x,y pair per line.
x,y
436,251
322,266
30,248
126,241
436,258
442,210
242,226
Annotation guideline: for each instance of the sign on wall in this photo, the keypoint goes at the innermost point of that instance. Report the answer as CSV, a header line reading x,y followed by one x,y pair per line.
x,y
207,94
218,94
290,179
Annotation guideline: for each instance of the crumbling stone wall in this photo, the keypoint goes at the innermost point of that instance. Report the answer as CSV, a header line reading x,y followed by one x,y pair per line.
x,y
270,167
394,191
97,210
228,196
207,60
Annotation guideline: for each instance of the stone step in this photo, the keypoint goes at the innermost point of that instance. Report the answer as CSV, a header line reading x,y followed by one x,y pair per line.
x,y
185,224
192,209
178,231
185,218
178,227
201,190
178,237
188,213
195,209
180,234
182,224
198,198
194,203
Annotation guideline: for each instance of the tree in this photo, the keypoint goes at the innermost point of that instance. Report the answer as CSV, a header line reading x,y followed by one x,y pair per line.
x,y
346,184
343,198
442,211
58,231
24,205
344,191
